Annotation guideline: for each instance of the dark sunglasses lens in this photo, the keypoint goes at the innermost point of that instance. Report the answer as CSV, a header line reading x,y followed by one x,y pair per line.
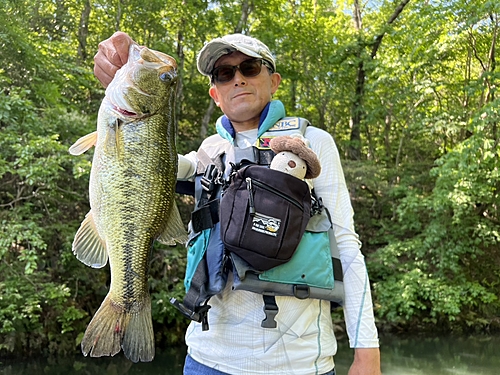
x,y
250,68
224,73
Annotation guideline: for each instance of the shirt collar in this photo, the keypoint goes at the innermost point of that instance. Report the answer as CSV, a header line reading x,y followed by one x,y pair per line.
x,y
273,111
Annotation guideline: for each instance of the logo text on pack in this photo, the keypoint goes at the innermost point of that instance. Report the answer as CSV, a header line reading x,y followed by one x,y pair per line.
x,y
266,224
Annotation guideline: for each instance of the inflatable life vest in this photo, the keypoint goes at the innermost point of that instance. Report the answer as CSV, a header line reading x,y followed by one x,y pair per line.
x,y
208,260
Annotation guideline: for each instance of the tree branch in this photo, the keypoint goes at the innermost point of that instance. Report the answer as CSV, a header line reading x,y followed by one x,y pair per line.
x,y
392,18
474,49
19,198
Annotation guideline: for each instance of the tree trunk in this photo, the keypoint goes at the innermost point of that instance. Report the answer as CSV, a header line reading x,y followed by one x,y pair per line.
x,y
493,65
488,67
354,149
387,132
293,94
118,16
357,111
180,81
246,9
83,31
206,119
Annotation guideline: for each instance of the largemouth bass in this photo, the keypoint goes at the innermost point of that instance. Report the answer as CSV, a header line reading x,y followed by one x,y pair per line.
x,y
132,185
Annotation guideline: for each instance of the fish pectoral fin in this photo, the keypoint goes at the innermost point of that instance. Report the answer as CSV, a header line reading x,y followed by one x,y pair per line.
x,y
114,138
174,230
88,246
83,144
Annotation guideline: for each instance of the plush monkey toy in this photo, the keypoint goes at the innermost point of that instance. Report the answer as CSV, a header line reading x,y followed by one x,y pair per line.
x,y
294,157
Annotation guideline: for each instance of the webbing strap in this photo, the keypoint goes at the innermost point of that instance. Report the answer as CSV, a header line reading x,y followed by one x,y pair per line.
x,y
204,161
213,171
338,274
190,306
263,157
206,216
252,155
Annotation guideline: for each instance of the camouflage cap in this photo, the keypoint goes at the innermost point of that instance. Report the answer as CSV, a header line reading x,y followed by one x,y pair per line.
x,y
219,47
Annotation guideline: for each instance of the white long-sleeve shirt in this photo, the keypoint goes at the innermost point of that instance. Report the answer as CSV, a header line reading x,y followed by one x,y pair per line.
x,y
303,342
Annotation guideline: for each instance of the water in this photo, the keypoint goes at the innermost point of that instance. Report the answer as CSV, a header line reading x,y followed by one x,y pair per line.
x,y
169,362
400,356
441,356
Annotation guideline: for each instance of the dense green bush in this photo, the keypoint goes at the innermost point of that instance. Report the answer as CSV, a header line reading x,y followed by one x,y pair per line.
x,y
442,263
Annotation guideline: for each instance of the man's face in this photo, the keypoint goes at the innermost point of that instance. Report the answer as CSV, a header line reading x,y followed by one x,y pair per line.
x,y
243,98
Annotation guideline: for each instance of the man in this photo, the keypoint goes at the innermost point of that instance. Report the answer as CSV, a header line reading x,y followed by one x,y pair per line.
x,y
243,78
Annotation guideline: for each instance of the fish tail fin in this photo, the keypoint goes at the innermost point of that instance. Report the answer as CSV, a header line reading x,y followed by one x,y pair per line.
x,y
113,328
138,342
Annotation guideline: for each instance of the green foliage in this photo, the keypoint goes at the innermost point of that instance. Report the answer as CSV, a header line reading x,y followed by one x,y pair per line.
x,y
35,173
443,265
37,194
167,282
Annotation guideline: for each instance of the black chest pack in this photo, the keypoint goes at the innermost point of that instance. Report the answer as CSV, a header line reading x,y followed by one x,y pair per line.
x,y
264,214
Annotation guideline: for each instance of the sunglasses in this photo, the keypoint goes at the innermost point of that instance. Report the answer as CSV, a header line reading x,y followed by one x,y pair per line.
x,y
249,68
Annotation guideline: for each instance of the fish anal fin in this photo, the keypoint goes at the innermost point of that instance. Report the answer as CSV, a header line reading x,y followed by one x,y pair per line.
x,y
174,230
83,144
88,246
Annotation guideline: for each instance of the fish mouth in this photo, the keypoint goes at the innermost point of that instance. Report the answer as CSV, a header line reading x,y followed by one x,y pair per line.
x,y
124,112
119,104
121,107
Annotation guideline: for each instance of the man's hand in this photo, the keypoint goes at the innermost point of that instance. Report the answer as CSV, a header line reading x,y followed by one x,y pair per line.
x,y
111,56
366,362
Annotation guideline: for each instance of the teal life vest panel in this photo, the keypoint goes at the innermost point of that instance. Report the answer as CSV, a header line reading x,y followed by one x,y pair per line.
x,y
208,262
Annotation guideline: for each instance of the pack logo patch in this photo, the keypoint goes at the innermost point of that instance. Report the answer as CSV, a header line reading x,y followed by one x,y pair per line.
x,y
285,124
266,224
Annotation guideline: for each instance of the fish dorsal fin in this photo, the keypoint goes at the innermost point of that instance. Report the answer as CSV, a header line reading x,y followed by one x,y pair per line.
x,y
174,229
83,144
88,247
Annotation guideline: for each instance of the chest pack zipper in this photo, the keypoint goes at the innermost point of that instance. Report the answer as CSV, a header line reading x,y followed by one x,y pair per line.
x,y
264,186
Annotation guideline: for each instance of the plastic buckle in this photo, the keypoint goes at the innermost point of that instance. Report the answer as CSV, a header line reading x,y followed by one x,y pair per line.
x,y
200,315
208,179
270,310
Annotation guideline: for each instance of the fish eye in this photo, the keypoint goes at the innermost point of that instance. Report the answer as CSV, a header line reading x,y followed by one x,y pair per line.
x,y
164,76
